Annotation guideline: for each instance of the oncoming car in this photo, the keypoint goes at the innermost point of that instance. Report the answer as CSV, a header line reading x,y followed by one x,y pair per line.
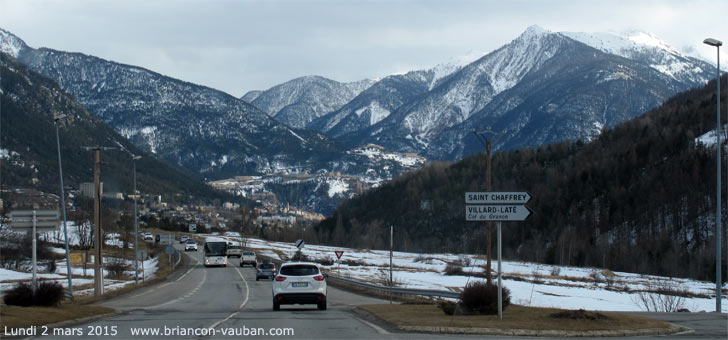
x,y
191,245
299,283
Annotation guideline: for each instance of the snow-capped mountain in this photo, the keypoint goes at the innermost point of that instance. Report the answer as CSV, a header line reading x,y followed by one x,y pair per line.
x,y
384,97
646,48
197,128
543,86
299,101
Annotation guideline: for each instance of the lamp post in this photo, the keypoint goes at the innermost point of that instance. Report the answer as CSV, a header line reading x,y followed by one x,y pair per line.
x,y
136,231
718,221
56,119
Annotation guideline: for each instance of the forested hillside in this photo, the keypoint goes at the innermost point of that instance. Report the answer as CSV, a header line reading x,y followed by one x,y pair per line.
x,y
639,198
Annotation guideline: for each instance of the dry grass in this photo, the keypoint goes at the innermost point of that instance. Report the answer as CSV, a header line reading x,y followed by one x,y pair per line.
x,y
515,317
19,317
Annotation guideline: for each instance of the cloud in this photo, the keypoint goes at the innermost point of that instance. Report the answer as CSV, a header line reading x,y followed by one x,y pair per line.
x,y
236,46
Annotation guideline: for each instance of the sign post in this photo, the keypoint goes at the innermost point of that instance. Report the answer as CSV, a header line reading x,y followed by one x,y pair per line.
x,y
497,206
46,220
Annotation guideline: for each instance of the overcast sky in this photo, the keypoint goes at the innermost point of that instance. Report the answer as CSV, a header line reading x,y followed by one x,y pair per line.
x,y
237,46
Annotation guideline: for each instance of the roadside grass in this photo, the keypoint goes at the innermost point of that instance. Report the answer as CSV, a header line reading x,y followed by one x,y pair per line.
x,y
24,317
514,317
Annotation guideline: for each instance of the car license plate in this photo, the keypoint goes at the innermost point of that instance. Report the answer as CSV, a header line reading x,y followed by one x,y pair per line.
x,y
299,284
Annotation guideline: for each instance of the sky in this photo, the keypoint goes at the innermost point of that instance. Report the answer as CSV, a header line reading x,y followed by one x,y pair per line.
x,y
238,46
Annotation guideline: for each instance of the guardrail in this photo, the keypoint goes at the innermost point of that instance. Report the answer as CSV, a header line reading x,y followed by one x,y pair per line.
x,y
398,290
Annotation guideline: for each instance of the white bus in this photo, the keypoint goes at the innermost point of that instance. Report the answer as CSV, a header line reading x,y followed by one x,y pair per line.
x,y
215,253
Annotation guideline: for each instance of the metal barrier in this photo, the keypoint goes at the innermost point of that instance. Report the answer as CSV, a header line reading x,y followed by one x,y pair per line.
x,y
397,290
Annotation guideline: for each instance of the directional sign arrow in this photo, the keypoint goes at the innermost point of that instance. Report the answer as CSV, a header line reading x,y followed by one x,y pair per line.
x,y
496,212
490,197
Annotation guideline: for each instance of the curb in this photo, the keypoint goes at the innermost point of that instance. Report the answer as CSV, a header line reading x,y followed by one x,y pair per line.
x,y
673,329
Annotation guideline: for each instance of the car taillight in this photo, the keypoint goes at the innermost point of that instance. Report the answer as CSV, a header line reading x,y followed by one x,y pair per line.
x,y
280,278
318,277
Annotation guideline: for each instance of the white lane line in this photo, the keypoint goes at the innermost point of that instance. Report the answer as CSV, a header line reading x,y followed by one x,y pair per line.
x,y
247,294
192,292
168,283
379,330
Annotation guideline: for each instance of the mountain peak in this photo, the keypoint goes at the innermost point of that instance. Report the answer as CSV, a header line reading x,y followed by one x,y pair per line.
x,y
11,44
534,31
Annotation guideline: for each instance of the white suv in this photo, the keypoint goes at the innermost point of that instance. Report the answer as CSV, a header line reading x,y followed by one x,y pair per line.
x,y
299,283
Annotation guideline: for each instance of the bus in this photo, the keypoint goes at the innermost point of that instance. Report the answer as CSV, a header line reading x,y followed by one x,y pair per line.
x,y
215,253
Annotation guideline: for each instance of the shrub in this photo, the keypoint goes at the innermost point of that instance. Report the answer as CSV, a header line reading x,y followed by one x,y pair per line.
x,y
48,294
325,262
117,267
300,257
453,269
20,295
52,266
482,298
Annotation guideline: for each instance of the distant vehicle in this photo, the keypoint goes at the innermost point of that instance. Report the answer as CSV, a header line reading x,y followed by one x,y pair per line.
x,y
234,250
299,283
248,257
191,245
215,254
148,237
265,271
183,239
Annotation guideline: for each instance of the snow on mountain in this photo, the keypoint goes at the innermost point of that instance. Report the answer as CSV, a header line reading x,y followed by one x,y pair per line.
x,y
466,91
647,48
11,44
301,100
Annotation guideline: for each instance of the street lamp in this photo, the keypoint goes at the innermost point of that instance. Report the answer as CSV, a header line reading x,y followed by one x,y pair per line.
x,y
136,231
718,222
56,119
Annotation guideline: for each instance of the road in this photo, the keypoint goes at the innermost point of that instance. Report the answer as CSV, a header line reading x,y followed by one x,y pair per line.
x,y
227,302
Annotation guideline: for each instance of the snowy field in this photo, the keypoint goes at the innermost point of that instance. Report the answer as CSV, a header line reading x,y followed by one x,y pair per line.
x,y
82,281
531,284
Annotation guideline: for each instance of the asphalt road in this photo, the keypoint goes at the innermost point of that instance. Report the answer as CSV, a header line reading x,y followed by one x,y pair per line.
x,y
227,302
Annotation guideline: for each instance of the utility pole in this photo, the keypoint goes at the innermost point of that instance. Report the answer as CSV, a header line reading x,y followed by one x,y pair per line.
x,y
56,120
98,239
488,225
391,245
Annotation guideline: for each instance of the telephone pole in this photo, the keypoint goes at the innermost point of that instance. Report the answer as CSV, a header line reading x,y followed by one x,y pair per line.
x,y
488,225
98,239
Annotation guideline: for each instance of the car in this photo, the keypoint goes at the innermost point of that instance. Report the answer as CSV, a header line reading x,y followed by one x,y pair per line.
x,y
265,270
248,257
299,283
183,239
234,250
191,245
148,237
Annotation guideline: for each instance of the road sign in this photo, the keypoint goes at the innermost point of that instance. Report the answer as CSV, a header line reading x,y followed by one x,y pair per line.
x,y
497,197
76,258
299,244
496,212
169,250
45,220
339,253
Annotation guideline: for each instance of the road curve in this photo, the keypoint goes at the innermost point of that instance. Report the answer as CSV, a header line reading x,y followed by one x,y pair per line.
x,y
227,302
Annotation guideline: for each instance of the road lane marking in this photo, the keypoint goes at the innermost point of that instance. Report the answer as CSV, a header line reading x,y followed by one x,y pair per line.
x,y
192,292
247,294
379,330
189,270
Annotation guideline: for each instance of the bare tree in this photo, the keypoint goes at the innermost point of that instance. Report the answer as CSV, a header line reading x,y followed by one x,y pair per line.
x,y
661,297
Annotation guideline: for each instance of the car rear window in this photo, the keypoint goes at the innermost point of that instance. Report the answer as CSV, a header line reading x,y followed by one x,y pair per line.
x,y
299,270
266,266
248,253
